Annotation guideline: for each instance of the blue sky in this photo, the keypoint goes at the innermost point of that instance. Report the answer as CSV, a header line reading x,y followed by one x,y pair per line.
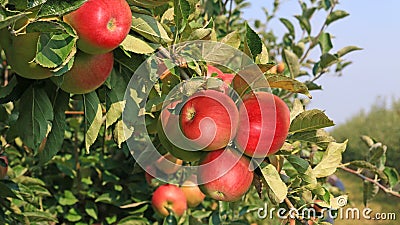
x,y
374,75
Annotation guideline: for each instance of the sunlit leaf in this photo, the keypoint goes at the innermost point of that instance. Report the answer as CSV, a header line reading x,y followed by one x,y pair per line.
x,y
336,15
331,160
310,120
93,118
292,61
287,83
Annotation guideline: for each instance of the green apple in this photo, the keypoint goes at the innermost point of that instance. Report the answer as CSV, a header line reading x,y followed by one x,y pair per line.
x,y
20,52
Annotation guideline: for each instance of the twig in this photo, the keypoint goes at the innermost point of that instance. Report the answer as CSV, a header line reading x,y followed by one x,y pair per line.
x,y
315,40
79,113
385,189
289,203
229,15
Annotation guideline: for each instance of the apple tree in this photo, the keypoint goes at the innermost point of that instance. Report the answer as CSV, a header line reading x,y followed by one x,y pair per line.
x,y
78,116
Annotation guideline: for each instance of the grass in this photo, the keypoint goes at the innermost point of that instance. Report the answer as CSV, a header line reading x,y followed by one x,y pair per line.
x,y
382,203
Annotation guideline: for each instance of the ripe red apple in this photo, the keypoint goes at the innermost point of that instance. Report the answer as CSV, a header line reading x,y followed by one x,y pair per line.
x,y
101,24
168,164
20,52
88,73
171,136
209,118
169,196
264,121
224,175
3,166
193,194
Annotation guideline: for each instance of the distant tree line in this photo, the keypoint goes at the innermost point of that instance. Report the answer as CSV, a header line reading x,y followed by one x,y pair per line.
x,y
381,123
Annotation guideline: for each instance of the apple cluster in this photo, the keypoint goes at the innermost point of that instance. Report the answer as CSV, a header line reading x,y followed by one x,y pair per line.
x,y
101,26
169,197
221,137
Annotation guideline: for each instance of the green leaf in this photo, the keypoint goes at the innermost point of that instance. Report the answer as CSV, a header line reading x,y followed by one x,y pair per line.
x,y
131,61
200,34
326,4
297,108
331,160
9,17
392,175
253,43
319,137
25,4
336,15
93,118
301,165
327,60
56,136
73,215
122,133
105,198
292,61
68,198
346,50
370,190
150,28
115,101
289,26
289,84
133,220
274,182
325,42
137,45
232,39
91,209
371,167
263,57
35,116
58,7
40,216
6,192
310,120
50,27
182,12
53,50
14,90
304,23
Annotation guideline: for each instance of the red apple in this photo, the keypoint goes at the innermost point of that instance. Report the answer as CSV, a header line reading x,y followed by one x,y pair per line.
x,y
226,77
171,136
20,52
264,121
224,175
193,194
168,164
88,73
3,166
209,118
101,24
169,196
